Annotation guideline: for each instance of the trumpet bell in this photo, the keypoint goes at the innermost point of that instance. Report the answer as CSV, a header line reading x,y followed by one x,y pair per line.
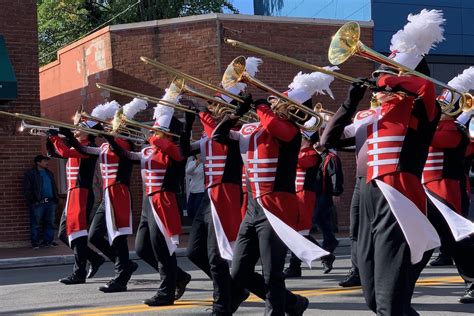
x,y
344,43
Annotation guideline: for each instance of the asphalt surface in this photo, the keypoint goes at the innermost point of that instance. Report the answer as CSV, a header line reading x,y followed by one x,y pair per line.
x,y
35,291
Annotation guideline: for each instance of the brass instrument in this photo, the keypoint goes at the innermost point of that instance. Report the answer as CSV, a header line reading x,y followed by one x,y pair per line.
x,y
58,124
326,114
293,61
346,43
120,119
144,97
35,130
220,107
299,113
81,116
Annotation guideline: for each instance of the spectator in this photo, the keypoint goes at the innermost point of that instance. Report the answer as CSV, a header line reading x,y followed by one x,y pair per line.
x,y
195,172
42,197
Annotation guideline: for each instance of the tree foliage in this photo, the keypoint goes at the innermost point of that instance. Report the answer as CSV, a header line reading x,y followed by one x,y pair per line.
x,y
61,22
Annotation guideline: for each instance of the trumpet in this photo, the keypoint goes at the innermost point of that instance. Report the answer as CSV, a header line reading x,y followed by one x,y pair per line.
x,y
346,43
58,124
35,130
220,108
299,113
81,116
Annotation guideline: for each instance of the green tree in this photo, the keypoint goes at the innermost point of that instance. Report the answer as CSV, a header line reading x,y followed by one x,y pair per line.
x,y
61,22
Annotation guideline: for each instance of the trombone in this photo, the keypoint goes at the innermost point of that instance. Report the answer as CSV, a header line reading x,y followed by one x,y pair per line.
x,y
120,119
346,43
179,83
81,115
144,97
58,124
235,73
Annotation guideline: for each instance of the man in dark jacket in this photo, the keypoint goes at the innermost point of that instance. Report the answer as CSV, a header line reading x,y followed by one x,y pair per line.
x,y
42,197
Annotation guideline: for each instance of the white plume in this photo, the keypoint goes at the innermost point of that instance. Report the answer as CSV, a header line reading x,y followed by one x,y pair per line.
x,y
252,64
106,110
132,108
463,82
315,82
422,32
161,109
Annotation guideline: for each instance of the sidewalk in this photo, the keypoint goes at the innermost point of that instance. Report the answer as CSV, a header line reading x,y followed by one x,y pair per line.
x,y
27,257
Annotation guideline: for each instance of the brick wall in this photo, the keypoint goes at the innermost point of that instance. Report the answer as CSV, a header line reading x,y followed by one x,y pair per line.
x,y
19,27
194,45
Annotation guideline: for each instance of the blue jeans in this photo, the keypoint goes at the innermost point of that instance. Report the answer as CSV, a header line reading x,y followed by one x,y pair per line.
x,y
42,212
194,201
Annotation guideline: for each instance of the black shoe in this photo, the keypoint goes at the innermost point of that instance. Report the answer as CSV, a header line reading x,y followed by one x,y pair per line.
x,y
239,299
327,262
181,286
35,246
72,279
441,260
94,267
292,272
158,300
468,297
112,287
352,279
300,306
53,244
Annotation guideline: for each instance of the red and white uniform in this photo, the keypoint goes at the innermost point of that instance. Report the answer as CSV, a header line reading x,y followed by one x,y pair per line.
x,y
308,162
443,173
223,180
79,176
115,173
269,151
162,168
387,138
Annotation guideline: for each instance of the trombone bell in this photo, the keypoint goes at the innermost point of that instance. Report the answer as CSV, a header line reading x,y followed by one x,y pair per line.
x,y
344,43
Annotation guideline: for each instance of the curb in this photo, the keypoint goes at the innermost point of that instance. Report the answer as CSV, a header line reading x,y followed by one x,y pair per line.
x,y
29,262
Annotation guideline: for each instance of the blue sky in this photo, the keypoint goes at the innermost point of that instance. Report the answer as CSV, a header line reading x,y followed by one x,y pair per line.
x,y
328,9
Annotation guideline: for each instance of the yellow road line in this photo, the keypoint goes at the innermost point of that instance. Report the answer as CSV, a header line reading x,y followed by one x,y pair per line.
x,y
186,304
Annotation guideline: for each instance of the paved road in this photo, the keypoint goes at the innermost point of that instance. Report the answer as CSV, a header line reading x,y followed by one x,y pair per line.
x,y
36,291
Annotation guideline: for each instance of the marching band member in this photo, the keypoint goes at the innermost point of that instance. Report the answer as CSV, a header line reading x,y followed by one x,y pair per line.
x,y
269,151
395,239
80,170
443,176
302,89
112,221
157,239
216,228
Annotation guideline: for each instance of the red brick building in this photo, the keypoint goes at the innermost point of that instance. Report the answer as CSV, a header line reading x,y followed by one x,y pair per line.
x,y
195,46
18,26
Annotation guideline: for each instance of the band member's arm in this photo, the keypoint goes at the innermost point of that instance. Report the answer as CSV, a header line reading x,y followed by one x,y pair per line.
x,y
413,85
168,147
208,122
120,151
277,127
223,133
336,128
187,148
81,149
64,150
51,150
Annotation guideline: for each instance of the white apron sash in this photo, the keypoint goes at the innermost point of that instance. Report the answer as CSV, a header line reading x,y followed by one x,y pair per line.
x,y
226,248
304,249
112,230
460,226
172,242
417,229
